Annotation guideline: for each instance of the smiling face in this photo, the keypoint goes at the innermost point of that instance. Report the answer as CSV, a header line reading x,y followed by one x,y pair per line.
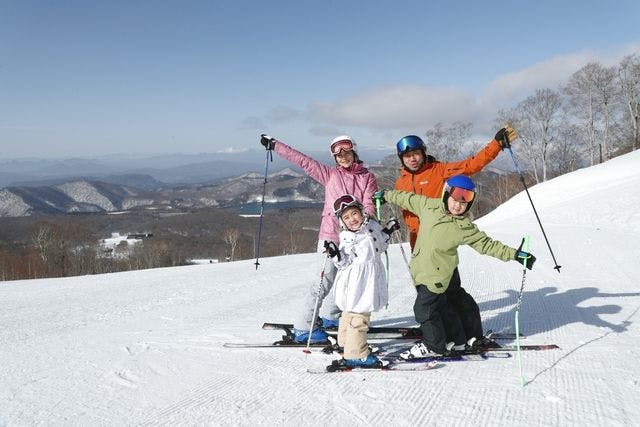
x,y
345,158
413,160
456,207
352,217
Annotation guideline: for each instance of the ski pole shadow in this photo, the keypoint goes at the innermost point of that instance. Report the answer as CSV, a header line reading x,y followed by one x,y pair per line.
x,y
401,322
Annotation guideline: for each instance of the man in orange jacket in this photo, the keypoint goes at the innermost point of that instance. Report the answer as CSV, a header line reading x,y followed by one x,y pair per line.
x,y
422,174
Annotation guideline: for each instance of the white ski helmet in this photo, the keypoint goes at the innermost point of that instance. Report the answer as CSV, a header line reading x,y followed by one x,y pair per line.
x,y
343,143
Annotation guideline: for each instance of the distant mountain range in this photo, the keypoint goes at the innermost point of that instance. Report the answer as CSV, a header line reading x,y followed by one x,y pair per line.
x,y
89,196
150,172
116,183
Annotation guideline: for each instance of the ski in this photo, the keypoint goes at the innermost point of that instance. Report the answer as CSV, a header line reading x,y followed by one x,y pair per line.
x,y
480,353
272,345
337,367
286,341
386,332
511,348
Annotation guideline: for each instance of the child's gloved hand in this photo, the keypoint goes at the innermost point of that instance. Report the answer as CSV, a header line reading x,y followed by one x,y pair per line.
x,y
524,258
331,249
392,225
379,195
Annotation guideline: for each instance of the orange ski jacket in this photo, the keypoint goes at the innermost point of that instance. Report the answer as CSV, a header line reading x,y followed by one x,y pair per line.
x,y
429,180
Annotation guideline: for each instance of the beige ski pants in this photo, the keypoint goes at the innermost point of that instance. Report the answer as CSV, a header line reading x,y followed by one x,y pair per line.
x,y
352,334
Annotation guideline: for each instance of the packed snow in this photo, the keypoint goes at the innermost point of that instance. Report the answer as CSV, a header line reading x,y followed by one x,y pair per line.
x,y
146,347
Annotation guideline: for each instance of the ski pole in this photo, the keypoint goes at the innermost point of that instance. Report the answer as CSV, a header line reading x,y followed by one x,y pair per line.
x,y
557,267
385,252
315,310
264,192
404,256
525,248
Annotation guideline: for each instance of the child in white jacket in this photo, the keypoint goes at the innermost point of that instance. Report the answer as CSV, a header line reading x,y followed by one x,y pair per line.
x,y
360,283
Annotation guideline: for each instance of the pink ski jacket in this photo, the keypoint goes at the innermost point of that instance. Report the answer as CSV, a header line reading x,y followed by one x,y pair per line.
x,y
337,181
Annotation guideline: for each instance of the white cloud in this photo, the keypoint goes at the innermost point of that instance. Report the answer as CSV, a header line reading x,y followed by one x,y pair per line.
x,y
397,107
408,106
284,114
232,150
252,123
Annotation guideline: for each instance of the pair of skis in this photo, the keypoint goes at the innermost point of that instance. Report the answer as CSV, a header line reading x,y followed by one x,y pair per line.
x,y
383,332
395,332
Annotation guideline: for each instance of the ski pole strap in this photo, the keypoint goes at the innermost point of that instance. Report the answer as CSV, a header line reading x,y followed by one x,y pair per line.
x,y
525,248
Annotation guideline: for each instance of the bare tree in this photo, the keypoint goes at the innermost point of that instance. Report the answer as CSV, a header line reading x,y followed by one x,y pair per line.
x,y
448,143
536,120
590,92
540,116
605,90
629,77
42,237
231,236
566,156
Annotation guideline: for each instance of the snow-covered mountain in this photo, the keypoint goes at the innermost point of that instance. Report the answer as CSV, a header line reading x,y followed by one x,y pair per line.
x,y
68,197
146,347
95,196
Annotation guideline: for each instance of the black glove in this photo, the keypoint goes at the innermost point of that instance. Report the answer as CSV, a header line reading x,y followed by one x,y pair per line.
x,y
268,142
506,136
331,249
392,225
379,195
524,258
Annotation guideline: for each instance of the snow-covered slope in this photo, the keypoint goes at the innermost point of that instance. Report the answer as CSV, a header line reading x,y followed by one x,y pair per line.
x,y
145,347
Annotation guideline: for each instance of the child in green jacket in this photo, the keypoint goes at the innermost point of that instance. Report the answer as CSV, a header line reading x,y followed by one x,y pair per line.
x,y
444,227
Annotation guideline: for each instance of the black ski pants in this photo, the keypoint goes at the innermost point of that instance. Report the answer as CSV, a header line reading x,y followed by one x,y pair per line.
x,y
437,320
465,307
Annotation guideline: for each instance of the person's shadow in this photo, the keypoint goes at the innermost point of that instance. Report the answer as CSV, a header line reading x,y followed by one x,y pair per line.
x,y
541,311
545,309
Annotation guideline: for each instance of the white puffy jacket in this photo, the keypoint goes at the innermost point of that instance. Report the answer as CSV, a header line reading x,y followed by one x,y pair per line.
x,y
360,283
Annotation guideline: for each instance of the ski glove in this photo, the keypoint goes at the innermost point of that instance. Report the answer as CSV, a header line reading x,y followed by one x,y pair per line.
x,y
506,136
268,142
524,258
392,225
379,195
331,249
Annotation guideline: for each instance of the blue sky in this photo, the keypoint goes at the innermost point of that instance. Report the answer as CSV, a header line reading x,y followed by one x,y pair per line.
x,y
85,78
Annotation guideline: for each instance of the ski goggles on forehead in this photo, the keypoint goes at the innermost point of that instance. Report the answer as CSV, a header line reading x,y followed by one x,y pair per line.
x,y
344,202
342,145
462,194
409,144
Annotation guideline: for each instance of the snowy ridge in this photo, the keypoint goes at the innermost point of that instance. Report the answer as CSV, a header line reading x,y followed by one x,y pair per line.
x,y
83,192
145,347
13,205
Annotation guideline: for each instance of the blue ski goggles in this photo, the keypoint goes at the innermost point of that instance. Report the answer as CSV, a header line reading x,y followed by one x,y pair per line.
x,y
410,143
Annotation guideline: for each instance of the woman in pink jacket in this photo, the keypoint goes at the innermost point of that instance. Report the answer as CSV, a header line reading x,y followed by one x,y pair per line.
x,y
347,176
